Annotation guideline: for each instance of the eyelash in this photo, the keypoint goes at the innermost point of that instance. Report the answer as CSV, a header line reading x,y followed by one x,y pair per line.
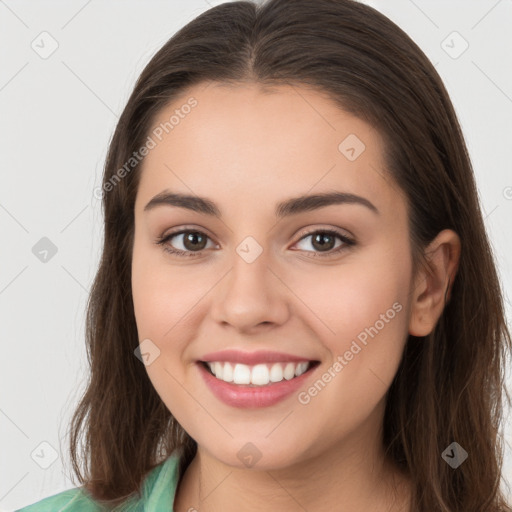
x,y
347,242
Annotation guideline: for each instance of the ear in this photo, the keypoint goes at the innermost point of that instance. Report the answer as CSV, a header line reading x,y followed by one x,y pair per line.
x,y
432,286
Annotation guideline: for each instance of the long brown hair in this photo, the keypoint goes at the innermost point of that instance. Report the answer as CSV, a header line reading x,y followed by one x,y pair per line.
x,y
450,384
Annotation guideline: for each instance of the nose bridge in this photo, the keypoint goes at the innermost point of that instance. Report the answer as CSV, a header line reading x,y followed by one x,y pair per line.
x,y
249,276
250,294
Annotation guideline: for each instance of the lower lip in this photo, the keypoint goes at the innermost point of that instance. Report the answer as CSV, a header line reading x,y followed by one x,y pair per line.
x,y
245,397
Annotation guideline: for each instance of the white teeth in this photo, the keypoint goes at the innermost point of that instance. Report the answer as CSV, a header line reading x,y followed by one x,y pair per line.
x,y
301,368
258,375
227,374
276,373
219,370
241,375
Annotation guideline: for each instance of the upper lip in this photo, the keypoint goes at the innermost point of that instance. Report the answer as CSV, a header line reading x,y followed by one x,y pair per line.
x,y
252,358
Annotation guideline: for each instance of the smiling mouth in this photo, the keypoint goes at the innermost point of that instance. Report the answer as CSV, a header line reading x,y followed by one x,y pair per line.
x,y
263,374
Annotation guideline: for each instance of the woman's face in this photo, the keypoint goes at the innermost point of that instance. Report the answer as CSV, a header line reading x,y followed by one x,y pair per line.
x,y
259,278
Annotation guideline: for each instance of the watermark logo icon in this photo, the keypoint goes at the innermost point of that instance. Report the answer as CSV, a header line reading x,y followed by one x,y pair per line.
x,y
44,250
249,454
454,455
454,45
147,352
249,249
351,147
44,45
44,455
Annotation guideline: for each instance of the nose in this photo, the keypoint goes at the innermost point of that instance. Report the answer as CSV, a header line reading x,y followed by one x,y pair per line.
x,y
251,296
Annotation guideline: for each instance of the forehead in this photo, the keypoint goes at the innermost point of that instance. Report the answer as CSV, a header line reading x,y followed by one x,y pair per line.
x,y
253,143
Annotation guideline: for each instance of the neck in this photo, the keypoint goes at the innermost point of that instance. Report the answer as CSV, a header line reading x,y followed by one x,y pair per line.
x,y
352,476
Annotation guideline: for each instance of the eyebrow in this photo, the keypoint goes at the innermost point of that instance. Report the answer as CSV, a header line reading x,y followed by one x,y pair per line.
x,y
286,208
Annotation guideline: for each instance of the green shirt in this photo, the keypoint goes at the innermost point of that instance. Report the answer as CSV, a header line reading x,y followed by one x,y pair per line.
x,y
158,490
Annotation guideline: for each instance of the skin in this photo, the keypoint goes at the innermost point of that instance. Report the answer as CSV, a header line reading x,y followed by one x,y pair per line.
x,y
247,149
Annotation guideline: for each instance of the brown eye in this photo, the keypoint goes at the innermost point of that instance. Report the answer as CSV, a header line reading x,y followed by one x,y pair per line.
x,y
192,242
323,242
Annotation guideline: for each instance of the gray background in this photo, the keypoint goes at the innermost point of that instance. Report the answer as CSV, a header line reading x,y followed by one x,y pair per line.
x,y
57,116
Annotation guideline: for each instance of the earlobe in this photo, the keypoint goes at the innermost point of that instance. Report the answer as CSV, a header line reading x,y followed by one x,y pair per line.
x,y
432,286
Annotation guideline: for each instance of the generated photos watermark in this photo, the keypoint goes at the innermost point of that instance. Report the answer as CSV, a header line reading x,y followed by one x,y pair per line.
x,y
305,397
137,156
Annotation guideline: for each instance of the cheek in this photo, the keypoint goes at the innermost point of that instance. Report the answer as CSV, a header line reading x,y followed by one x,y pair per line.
x,y
144,292
347,299
361,314
369,315
162,297
157,289
166,297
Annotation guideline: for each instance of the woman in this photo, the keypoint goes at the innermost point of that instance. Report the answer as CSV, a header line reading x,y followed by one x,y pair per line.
x,y
239,361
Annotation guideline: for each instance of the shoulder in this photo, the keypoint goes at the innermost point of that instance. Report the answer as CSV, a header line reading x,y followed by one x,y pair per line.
x,y
158,489
75,499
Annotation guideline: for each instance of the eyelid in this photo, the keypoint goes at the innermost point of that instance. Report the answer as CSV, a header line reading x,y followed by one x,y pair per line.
x,y
347,240
181,229
314,228
162,240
